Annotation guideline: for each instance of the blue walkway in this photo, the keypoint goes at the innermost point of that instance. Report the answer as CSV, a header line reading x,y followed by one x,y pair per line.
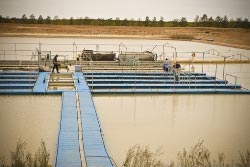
x,y
17,82
68,154
42,82
94,148
68,148
159,83
95,152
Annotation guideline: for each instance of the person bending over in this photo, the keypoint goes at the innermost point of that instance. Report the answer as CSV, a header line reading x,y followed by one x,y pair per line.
x,y
176,71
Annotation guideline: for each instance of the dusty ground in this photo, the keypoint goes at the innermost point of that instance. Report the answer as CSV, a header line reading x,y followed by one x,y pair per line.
x,y
238,38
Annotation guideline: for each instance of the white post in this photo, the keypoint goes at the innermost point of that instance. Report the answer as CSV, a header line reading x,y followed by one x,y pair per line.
x,y
39,54
15,51
73,49
224,67
215,71
203,60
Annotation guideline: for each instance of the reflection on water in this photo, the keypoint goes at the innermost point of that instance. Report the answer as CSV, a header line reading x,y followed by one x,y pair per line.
x,y
30,118
174,122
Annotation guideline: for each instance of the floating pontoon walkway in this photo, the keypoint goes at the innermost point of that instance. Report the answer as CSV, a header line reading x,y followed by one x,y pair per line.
x,y
17,82
118,83
80,141
41,83
159,83
94,148
68,148
68,153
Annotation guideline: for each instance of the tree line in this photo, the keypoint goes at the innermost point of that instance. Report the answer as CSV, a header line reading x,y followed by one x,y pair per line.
x,y
199,21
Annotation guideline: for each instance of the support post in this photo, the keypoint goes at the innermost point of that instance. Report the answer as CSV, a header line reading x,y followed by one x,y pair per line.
x,y
203,55
163,51
224,67
73,50
39,54
15,51
215,71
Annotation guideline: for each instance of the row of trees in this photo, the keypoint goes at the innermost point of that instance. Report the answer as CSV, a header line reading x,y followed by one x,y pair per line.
x,y
205,21
199,21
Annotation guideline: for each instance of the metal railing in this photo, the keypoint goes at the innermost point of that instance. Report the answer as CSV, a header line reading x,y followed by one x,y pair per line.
x,y
19,51
235,79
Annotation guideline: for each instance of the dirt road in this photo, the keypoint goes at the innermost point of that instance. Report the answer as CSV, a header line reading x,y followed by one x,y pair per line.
x,y
238,38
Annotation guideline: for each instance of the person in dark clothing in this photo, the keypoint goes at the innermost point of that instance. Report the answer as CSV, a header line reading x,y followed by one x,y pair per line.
x,y
177,65
176,71
55,62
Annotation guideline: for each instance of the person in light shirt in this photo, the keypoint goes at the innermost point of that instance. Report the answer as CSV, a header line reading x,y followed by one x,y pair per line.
x,y
166,65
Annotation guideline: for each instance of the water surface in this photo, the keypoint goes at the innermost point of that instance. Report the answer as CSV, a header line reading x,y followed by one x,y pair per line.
x,y
29,118
174,122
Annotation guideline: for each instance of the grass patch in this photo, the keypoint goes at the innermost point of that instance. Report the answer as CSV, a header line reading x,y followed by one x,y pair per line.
x,y
142,156
21,158
197,156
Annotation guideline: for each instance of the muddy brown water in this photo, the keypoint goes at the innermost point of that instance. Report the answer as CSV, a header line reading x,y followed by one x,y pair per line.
x,y
31,118
171,122
174,122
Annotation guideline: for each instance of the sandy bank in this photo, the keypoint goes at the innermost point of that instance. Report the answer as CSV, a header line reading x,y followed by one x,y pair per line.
x,y
238,38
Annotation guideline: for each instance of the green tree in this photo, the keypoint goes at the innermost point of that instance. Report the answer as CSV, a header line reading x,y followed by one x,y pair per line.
x,y
204,20
1,19
183,22
40,20
64,21
48,20
225,21
210,21
140,22
110,22
7,19
239,22
161,22
32,19
218,21
154,22
175,22
196,19
71,22
125,22
24,18
147,21
232,23
56,20
246,23
117,21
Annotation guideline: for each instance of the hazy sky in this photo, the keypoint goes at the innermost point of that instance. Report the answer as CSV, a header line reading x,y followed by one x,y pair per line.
x,y
168,9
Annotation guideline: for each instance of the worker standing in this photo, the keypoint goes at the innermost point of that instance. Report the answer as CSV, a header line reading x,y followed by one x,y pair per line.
x,y
55,63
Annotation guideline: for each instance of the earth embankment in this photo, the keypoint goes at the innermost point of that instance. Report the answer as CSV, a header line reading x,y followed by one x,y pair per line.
x,y
233,37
